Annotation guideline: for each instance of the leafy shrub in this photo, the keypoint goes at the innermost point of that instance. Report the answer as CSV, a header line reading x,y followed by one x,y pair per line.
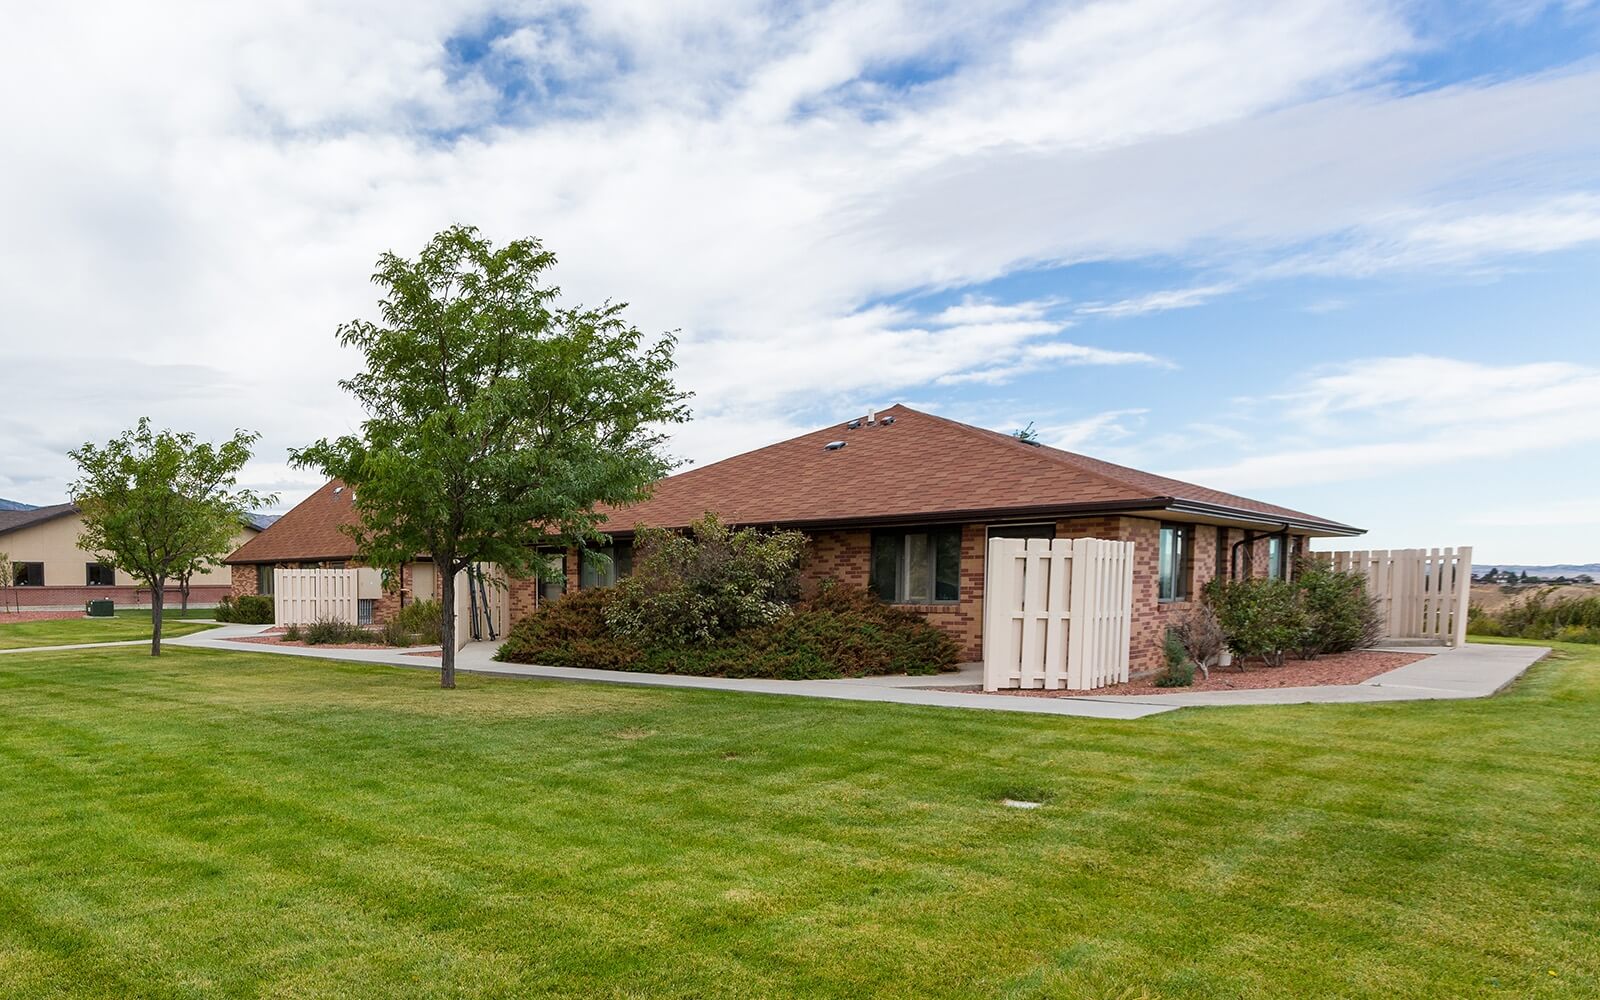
x,y
329,631
1340,615
1260,617
246,609
838,632
571,632
423,619
292,633
394,633
1179,671
706,583
1201,635
1538,617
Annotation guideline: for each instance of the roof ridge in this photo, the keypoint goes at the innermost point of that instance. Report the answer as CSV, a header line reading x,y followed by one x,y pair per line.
x,y
1059,455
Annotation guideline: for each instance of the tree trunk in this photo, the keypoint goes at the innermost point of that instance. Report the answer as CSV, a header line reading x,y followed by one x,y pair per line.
x,y
183,593
158,600
447,630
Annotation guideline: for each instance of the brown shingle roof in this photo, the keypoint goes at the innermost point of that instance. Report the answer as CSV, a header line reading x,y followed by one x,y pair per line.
x,y
921,465
11,520
309,532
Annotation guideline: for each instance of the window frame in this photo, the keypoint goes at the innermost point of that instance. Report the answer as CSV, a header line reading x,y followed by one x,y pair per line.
x,y
1183,572
904,557
89,574
619,567
24,568
1275,551
366,610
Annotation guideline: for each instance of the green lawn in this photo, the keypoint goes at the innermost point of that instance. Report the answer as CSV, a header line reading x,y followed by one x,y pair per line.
x,y
70,631
167,614
234,824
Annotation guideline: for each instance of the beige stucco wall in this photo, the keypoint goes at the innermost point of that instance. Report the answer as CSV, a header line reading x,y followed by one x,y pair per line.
x,y
55,543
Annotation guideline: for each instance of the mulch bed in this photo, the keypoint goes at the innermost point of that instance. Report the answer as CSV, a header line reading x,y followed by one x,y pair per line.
x,y
14,617
1333,670
275,638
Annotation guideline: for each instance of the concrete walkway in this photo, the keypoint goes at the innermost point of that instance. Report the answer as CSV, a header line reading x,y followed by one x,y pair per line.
x,y
81,645
1472,671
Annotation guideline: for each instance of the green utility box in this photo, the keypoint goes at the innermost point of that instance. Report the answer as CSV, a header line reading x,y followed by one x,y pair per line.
x,y
100,609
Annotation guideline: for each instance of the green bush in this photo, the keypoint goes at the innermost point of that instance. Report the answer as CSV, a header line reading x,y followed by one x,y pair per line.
x,y
1339,614
394,633
838,632
1260,617
706,583
1538,617
292,633
424,620
331,632
1179,671
247,609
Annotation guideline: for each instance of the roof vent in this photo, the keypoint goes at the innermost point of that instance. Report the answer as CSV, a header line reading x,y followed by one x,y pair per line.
x,y
886,421
338,490
854,424
833,446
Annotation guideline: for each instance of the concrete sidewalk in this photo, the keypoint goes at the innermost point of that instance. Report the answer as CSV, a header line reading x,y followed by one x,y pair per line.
x,y
1473,671
1470,671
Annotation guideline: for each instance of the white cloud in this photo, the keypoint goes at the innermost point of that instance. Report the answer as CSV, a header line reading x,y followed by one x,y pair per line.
x,y
1389,416
1177,298
211,183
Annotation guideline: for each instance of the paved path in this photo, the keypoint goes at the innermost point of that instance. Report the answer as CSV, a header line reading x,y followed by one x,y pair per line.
x,y
81,645
1473,671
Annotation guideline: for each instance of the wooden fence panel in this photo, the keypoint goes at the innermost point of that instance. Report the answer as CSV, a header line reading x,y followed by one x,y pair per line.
x,y
303,596
1057,613
1421,593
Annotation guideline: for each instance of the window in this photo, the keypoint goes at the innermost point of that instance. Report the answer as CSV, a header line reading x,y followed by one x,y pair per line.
x,y
1275,557
99,574
364,609
917,567
1224,556
27,574
264,579
1177,552
604,567
549,589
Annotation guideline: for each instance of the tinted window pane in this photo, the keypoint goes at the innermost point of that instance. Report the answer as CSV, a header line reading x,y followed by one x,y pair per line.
x,y
918,585
886,566
1169,563
947,565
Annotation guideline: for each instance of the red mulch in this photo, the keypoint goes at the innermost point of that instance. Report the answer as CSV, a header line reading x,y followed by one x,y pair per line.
x,y
1332,670
13,617
276,639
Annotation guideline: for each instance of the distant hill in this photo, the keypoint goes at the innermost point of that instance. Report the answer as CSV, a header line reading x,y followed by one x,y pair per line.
x,y
1563,569
15,505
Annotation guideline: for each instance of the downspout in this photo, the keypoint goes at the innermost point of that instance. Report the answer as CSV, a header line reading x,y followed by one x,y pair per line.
x,y
1250,539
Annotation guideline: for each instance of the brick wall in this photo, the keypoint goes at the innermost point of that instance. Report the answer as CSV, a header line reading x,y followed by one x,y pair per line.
x,y
60,598
846,556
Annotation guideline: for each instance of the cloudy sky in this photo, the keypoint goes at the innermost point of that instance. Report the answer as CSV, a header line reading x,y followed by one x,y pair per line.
x,y
1341,255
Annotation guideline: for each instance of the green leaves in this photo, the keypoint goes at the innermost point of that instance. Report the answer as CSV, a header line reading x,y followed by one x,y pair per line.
x,y
496,416
162,505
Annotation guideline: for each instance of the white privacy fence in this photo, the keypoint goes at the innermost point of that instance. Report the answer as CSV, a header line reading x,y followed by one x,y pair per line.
x,y
1057,613
303,596
1422,593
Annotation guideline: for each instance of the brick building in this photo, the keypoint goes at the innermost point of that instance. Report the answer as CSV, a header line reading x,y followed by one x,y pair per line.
x,y
905,502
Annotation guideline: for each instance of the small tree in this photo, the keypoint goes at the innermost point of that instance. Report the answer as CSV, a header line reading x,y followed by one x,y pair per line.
x,y
158,504
496,419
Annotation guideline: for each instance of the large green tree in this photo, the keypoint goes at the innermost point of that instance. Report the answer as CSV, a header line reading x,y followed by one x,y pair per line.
x,y
161,504
497,417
